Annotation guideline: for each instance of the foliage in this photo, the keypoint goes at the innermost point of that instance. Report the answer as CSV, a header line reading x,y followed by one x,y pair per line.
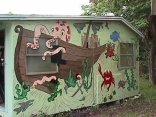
x,y
132,10
148,91
146,76
138,9
10,13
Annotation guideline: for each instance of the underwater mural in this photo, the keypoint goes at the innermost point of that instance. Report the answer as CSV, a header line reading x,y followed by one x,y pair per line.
x,y
63,65
63,54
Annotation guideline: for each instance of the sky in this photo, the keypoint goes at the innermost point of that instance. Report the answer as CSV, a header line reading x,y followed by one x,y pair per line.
x,y
51,7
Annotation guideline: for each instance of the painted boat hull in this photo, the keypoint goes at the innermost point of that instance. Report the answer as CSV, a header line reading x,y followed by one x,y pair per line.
x,y
74,57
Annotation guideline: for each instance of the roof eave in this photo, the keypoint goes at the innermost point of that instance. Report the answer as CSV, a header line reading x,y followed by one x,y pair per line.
x,y
133,28
67,17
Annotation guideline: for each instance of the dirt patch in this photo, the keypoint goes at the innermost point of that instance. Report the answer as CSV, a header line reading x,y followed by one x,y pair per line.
x,y
127,109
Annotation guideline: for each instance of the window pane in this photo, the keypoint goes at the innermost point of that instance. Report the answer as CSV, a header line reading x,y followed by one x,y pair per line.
x,y
41,49
126,60
126,48
36,64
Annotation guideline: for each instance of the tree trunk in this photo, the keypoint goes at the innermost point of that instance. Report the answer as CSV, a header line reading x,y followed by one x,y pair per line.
x,y
151,66
152,29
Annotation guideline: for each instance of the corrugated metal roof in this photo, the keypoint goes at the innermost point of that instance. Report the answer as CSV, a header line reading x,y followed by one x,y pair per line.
x,y
63,17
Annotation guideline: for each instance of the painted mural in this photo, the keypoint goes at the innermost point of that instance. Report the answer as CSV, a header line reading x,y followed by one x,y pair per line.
x,y
64,54
60,74
108,78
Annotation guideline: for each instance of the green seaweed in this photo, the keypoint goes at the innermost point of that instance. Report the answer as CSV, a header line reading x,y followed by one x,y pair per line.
x,y
21,93
55,92
105,99
114,92
128,80
71,80
132,82
109,96
86,71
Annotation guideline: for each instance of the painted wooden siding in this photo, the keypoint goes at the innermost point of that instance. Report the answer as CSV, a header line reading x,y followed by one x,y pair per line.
x,y
36,100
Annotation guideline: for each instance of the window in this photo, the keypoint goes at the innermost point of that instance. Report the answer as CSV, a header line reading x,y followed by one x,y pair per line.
x,y
34,63
126,55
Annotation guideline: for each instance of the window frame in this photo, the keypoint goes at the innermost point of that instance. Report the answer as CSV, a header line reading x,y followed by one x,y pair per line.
x,y
119,56
37,55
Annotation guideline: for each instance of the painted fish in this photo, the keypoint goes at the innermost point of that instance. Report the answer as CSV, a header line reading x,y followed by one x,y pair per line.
x,y
23,106
122,84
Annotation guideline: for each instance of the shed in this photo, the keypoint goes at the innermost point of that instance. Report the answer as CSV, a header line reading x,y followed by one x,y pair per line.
x,y
53,64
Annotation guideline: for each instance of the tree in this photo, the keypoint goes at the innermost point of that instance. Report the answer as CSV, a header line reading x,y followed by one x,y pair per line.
x,y
137,12
132,10
10,13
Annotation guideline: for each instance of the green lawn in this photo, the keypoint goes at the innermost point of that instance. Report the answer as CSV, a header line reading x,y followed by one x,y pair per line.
x,y
144,106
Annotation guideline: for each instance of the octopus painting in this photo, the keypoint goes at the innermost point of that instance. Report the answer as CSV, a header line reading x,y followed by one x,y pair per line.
x,y
60,30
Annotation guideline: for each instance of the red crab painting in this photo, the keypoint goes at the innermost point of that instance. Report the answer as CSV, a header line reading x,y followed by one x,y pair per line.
x,y
108,78
110,49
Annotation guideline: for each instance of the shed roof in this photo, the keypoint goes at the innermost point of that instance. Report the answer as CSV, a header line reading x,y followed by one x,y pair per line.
x,y
67,17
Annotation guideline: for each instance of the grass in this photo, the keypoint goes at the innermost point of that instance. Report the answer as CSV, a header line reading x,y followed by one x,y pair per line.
x,y
144,106
147,90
